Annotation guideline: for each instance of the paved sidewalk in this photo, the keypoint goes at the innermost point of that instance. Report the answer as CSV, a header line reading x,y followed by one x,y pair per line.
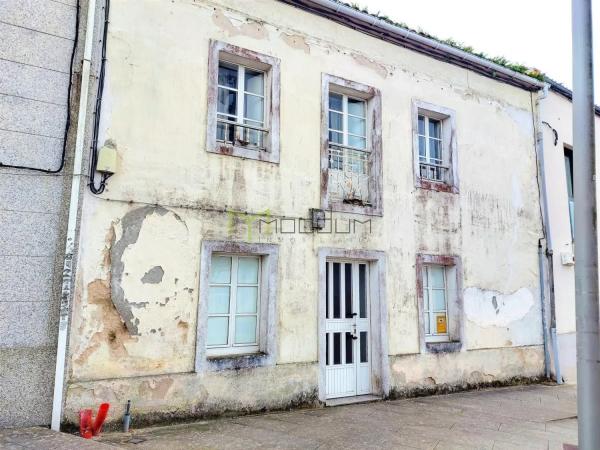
x,y
38,438
526,417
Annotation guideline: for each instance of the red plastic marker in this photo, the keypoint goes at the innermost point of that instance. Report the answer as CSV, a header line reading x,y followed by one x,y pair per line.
x,y
100,418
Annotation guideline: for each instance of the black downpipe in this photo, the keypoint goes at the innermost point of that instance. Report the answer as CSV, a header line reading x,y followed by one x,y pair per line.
x,y
97,111
68,121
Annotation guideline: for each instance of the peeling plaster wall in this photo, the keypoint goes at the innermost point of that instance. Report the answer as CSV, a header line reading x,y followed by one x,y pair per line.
x,y
130,336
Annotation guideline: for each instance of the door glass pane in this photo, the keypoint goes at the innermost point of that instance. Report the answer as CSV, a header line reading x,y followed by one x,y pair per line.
x,y
227,102
254,108
436,276
438,300
362,290
356,107
248,270
335,121
228,75
337,348
348,289
254,82
336,291
357,126
335,101
217,331
327,291
364,357
220,269
427,323
421,125
426,299
434,128
245,329
327,349
246,299
218,300
349,348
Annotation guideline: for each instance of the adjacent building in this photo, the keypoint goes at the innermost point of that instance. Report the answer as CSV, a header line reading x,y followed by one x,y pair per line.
x,y
557,139
36,48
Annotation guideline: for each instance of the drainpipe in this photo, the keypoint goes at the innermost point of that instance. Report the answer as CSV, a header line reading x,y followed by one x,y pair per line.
x,y
67,274
586,238
543,304
539,142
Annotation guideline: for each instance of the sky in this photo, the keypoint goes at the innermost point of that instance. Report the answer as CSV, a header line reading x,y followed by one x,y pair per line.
x,y
536,33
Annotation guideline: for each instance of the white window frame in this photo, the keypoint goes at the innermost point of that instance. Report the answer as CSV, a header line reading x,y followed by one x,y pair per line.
x,y
231,348
372,97
434,336
345,116
265,353
439,162
451,341
240,92
221,52
447,118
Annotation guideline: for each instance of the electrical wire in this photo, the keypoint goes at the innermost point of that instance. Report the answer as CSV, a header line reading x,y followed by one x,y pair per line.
x,y
68,121
97,111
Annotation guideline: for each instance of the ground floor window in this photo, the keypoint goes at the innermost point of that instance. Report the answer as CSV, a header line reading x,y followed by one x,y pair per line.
x,y
439,294
233,304
237,323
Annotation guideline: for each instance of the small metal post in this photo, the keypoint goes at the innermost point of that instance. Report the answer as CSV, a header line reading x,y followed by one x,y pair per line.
x,y
586,241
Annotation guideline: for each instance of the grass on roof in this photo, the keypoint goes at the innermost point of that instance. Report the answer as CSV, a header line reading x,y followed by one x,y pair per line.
x,y
500,60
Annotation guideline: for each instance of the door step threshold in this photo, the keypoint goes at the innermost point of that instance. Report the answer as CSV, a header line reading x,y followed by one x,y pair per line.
x,y
352,400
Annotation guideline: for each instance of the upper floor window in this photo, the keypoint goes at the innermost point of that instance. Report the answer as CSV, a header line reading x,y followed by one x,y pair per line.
x,y
241,106
431,162
571,197
435,155
348,153
351,147
243,103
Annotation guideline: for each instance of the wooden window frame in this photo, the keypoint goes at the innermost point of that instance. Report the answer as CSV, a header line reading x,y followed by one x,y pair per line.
x,y
221,51
374,146
447,117
231,348
454,304
264,354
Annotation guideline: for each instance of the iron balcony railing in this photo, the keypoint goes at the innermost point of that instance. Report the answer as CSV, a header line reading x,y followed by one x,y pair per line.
x,y
433,172
243,134
349,173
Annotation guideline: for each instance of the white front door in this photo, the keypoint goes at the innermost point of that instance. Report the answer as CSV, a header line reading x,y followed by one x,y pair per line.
x,y
347,329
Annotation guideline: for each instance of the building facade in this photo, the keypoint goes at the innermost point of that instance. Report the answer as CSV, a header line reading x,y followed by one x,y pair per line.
x,y
556,112
35,70
300,212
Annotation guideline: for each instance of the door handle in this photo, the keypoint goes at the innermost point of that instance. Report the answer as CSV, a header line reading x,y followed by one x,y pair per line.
x,y
354,337
354,314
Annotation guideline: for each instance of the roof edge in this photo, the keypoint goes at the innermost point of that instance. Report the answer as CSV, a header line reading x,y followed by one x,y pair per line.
x,y
555,86
403,37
